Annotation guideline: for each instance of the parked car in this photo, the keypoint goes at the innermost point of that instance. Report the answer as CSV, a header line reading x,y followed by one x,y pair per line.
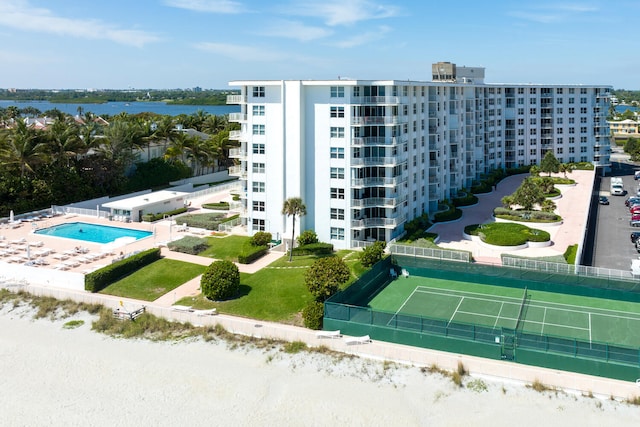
x,y
632,200
634,223
635,217
634,236
637,245
603,200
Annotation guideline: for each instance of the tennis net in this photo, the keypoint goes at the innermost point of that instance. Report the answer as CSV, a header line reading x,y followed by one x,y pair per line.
x,y
521,312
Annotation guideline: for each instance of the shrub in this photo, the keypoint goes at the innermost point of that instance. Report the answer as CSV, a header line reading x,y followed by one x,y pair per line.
x,y
189,245
261,238
307,237
324,277
314,249
313,314
220,280
100,279
251,253
416,227
449,215
372,254
467,200
149,217
571,253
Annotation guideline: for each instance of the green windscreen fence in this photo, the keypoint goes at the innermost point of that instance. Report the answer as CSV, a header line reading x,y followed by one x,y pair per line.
x,y
349,311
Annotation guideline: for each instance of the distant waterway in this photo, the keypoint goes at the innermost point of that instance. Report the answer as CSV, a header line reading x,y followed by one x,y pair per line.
x,y
622,108
114,108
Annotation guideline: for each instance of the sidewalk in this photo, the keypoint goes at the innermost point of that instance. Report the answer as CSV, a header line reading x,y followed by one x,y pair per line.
x,y
573,207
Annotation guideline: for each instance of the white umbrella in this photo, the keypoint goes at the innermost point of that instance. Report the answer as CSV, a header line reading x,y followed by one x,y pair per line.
x,y
11,216
28,252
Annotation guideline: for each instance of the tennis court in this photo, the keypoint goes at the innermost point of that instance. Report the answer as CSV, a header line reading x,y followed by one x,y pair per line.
x,y
533,312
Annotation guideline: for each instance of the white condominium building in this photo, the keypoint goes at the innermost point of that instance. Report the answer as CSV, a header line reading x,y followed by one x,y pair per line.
x,y
366,156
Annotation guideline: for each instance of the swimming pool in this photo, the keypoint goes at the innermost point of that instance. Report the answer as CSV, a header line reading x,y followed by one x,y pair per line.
x,y
92,232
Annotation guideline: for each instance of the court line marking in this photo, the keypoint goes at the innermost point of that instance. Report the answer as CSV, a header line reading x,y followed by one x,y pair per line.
x,y
544,318
537,304
395,315
454,313
495,324
589,327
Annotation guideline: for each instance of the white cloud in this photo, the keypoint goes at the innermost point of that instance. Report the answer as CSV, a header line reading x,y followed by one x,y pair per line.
x,y
363,38
552,13
211,6
18,14
295,30
241,52
342,12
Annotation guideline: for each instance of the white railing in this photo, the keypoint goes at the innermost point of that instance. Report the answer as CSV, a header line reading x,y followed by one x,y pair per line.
x,y
435,253
236,99
70,210
228,186
229,225
235,134
556,267
237,117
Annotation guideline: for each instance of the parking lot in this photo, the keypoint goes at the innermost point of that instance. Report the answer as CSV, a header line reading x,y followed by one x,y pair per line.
x,y
610,231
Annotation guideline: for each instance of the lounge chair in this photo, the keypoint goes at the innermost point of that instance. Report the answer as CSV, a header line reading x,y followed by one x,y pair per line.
x,y
365,339
183,227
405,273
392,273
328,334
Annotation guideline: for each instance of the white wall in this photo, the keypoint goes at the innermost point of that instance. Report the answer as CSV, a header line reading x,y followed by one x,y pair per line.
x,y
42,276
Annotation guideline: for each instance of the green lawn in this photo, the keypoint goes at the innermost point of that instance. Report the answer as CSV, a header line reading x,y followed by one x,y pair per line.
x,y
154,280
275,293
225,248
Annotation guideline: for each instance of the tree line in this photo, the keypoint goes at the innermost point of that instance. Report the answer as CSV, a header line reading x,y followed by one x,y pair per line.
x,y
78,158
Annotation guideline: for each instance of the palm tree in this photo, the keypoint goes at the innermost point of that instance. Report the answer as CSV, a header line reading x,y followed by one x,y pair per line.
x,y
22,149
292,207
64,141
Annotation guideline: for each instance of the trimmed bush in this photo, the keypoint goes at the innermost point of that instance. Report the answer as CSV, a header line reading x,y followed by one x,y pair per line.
x,y
208,221
313,314
221,206
307,237
372,254
467,200
261,238
221,280
149,217
189,245
415,228
450,215
324,277
251,253
525,216
314,249
100,279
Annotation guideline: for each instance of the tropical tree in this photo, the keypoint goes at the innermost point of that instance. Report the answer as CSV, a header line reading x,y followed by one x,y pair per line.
x,y
64,141
564,169
293,207
22,149
528,194
324,277
549,163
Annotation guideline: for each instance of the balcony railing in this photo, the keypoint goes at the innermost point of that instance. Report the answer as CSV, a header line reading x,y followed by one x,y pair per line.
x,y
375,140
379,161
238,171
379,120
378,222
236,99
235,135
378,182
375,100
386,202
237,117
237,153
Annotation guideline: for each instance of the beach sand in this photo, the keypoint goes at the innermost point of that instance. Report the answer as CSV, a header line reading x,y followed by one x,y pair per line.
x,y
72,377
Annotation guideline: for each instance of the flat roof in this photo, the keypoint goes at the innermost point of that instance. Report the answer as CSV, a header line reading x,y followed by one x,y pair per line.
x,y
144,200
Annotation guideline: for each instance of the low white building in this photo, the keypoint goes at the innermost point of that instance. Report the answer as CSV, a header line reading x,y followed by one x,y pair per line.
x,y
133,208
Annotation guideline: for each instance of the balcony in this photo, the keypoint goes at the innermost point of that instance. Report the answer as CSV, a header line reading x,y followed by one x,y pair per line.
x,y
383,202
237,153
379,120
238,171
237,117
375,140
378,222
378,181
236,99
235,135
375,100
380,161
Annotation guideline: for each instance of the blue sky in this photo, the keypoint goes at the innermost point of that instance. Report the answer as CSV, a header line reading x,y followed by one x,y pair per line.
x,y
161,44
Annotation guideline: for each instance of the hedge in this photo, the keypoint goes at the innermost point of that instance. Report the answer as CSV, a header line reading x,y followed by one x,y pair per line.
x,y
466,200
208,221
314,249
100,279
222,206
251,253
149,217
525,216
449,215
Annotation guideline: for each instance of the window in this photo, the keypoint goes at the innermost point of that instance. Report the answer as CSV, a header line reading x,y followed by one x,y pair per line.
x,y
337,111
572,100
337,153
559,150
572,91
258,225
583,110
558,100
533,152
520,111
559,91
337,91
258,206
533,121
559,120
583,100
572,110
258,110
258,91
258,148
532,111
257,187
533,101
559,130
337,233
583,129
258,168
337,132
583,120
337,193
337,213
258,129
559,110
337,173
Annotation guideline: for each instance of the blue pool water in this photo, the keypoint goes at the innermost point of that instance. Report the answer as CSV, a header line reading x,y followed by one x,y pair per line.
x,y
92,232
